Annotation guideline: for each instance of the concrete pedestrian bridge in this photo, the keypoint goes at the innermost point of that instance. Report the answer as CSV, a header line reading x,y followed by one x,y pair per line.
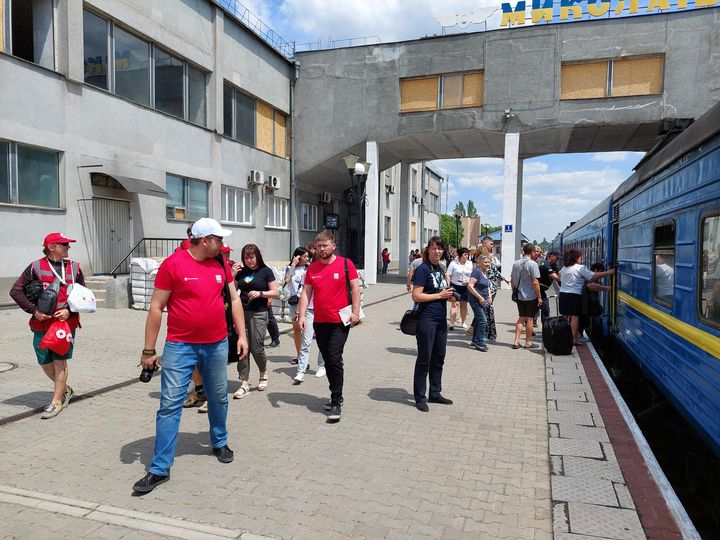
x,y
590,86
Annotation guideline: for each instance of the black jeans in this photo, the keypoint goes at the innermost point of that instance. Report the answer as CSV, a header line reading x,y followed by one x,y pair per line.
x,y
545,307
331,338
272,325
431,339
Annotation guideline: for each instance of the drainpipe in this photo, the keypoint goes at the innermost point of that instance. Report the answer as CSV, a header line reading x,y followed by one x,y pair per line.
x,y
294,232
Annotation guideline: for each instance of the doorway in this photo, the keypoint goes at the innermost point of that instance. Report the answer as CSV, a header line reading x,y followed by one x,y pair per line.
x,y
112,235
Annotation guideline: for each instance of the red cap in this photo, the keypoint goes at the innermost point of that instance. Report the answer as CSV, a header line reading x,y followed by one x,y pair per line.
x,y
56,238
225,249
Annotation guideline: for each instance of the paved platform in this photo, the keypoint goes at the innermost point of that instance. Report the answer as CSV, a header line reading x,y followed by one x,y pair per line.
x,y
523,453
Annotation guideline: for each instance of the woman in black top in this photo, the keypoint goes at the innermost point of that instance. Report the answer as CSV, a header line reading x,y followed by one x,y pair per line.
x,y
431,293
255,284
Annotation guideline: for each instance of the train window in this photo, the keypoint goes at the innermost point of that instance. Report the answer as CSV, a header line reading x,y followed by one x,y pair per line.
x,y
664,267
709,301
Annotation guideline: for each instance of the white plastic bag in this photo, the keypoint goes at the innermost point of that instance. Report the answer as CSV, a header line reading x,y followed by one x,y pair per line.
x,y
81,299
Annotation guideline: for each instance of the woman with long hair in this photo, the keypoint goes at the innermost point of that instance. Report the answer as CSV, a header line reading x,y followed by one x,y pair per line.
x,y
431,293
458,276
292,283
255,284
573,277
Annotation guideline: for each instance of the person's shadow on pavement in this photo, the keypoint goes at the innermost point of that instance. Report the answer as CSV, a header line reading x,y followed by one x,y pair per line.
x,y
393,395
410,351
312,403
188,444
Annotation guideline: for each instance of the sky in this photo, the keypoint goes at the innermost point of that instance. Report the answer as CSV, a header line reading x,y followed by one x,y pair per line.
x,y
558,189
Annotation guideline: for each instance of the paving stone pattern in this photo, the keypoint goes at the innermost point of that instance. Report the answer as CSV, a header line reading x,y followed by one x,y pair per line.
x,y
476,469
590,496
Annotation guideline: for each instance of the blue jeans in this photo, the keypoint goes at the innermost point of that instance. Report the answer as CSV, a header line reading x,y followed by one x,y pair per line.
x,y
431,340
479,322
178,362
306,340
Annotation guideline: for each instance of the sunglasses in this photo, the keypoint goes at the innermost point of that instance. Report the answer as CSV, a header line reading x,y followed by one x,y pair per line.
x,y
64,244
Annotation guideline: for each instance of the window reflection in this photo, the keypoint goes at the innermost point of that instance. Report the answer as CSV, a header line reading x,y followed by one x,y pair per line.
x,y
132,67
710,270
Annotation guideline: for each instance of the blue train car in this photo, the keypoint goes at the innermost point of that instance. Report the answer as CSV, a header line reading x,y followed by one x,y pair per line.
x,y
661,230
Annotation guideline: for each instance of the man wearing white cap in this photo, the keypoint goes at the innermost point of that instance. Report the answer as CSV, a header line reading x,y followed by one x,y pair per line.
x,y
190,284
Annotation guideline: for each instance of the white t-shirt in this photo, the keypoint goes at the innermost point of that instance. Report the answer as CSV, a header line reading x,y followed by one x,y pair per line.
x,y
460,273
573,278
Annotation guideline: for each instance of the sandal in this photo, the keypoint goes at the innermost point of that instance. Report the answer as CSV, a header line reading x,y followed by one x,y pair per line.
x,y
531,345
262,384
515,345
241,393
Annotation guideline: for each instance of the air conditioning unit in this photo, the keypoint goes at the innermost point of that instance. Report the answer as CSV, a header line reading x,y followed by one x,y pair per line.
x,y
326,197
273,183
256,178
389,188
415,199
422,201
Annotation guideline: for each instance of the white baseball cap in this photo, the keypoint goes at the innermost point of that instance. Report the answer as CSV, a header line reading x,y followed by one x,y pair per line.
x,y
208,227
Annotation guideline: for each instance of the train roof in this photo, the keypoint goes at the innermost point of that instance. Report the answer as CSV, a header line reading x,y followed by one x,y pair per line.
x,y
600,209
704,128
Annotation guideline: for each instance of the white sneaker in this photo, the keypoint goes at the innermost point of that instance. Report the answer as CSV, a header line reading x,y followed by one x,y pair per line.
x,y
300,377
464,326
320,372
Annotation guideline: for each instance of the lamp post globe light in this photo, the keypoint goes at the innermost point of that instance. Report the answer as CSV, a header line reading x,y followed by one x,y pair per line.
x,y
358,171
458,214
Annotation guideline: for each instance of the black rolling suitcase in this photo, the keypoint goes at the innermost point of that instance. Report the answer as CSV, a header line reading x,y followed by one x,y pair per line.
x,y
557,336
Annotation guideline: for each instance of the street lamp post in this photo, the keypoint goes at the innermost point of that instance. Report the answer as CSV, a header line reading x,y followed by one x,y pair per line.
x,y
358,171
458,215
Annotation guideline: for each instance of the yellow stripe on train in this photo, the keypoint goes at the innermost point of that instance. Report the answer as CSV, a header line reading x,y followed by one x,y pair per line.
x,y
697,337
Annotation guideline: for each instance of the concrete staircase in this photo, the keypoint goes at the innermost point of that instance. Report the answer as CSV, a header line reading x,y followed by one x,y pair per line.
x,y
98,285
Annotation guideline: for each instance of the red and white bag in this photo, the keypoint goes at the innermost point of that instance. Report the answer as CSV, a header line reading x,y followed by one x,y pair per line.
x,y
58,338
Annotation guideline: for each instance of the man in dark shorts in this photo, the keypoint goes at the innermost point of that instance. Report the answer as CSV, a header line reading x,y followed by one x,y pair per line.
x,y
525,278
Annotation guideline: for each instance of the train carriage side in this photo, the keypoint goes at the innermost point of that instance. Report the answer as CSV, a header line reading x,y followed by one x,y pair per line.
x,y
668,239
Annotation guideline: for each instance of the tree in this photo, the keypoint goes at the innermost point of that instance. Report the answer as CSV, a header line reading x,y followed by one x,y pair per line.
x,y
460,206
447,231
471,210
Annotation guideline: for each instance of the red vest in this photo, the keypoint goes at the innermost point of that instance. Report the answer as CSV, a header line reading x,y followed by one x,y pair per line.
x,y
43,271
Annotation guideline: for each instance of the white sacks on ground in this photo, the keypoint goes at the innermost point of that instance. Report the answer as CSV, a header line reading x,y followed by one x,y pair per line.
x,y
142,281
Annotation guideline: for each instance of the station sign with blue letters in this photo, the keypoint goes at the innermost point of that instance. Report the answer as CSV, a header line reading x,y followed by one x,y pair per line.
x,y
545,10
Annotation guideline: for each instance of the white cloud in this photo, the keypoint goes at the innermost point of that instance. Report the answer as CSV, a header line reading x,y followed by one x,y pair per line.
x,y
613,157
534,167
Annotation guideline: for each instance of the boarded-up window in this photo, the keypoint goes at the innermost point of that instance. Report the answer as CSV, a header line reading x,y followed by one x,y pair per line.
x,y
473,89
2,25
413,229
452,91
582,81
264,116
280,135
637,76
419,94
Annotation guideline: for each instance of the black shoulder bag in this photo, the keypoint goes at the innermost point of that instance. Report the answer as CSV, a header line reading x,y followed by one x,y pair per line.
x,y
408,323
227,301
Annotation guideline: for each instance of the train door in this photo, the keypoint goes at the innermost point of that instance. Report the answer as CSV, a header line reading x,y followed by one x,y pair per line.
x,y
612,262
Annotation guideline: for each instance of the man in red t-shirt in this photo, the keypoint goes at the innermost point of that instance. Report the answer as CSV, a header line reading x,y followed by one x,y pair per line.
x,y
190,283
326,282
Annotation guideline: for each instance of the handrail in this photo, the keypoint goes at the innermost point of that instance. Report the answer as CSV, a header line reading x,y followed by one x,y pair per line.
x,y
149,247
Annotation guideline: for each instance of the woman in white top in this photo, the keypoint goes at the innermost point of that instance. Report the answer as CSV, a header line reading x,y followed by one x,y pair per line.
x,y
458,277
573,277
294,276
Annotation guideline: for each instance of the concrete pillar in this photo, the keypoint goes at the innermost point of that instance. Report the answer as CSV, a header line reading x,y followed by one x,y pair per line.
x,y
404,219
512,204
215,111
372,196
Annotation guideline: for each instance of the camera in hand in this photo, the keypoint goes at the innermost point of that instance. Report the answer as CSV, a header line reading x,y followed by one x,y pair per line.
x,y
456,295
147,373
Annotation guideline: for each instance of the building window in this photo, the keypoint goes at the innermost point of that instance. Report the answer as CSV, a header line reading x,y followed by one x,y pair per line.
x,y
236,206
29,176
308,217
254,122
142,71
277,212
442,91
29,29
635,76
387,229
709,301
413,228
664,264
187,199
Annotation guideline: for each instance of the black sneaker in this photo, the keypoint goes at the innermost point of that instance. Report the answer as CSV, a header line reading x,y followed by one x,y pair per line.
x,y
441,400
328,405
224,454
335,412
422,406
274,343
149,482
